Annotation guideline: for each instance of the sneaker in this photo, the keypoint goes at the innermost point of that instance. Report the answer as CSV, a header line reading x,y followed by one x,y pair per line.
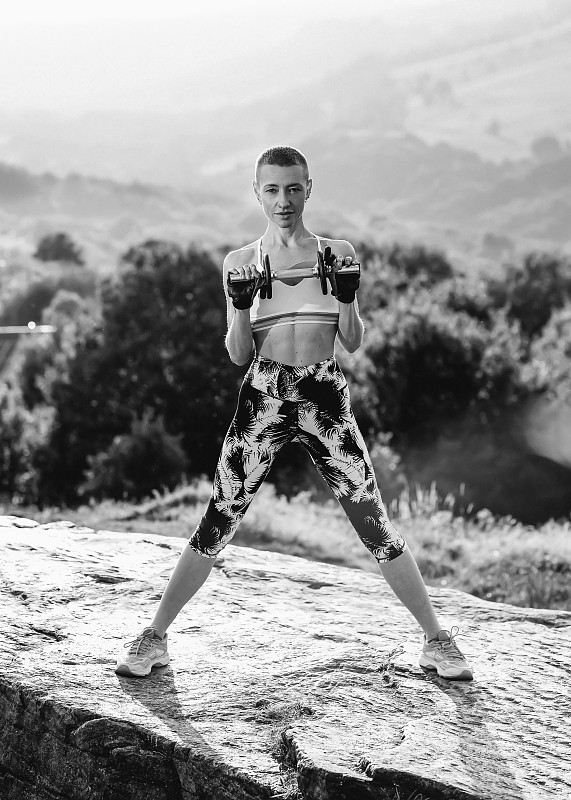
x,y
148,650
443,655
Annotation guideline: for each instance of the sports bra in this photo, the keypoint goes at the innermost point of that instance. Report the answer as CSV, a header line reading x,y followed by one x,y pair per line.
x,y
302,302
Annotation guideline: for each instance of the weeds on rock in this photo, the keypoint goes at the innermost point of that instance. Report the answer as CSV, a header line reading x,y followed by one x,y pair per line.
x,y
277,716
386,669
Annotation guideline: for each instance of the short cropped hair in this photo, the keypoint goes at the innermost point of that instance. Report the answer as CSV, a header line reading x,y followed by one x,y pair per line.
x,y
281,157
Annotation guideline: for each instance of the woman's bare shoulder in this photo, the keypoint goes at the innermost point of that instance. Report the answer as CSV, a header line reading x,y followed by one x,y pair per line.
x,y
244,255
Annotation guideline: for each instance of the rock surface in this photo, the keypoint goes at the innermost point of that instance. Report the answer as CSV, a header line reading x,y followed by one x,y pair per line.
x,y
281,677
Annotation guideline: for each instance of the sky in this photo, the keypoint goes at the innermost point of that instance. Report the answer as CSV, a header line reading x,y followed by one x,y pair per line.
x,y
80,56
64,11
70,56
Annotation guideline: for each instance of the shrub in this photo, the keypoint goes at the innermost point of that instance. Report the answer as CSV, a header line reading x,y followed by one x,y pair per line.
x,y
29,302
20,435
44,358
59,247
160,346
551,352
135,464
532,292
389,271
422,363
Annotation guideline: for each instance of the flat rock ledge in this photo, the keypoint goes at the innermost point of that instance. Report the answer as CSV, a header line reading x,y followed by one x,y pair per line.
x,y
283,682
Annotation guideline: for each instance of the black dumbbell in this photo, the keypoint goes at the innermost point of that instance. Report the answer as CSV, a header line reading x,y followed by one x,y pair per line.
x,y
322,270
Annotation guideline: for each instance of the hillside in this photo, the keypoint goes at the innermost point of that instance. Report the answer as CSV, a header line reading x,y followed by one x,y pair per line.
x,y
105,216
460,138
367,186
494,99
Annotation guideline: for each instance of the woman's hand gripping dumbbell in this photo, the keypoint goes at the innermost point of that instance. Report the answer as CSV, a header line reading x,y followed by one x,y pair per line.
x,y
243,285
341,271
344,280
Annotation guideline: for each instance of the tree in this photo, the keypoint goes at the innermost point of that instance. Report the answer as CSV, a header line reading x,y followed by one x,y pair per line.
x,y
59,247
535,290
30,301
393,269
159,346
136,463
423,363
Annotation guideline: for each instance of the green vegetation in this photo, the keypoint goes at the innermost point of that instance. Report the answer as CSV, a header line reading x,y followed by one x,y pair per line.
x,y
59,247
130,399
496,559
135,390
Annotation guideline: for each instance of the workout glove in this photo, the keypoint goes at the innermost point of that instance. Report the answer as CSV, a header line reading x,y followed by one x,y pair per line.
x,y
347,286
343,287
243,293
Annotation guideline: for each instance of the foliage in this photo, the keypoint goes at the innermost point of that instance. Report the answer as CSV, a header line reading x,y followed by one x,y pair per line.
x,y
59,247
29,302
532,292
20,434
447,360
551,352
493,557
45,358
423,362
136,464
159,346
390,270
13,455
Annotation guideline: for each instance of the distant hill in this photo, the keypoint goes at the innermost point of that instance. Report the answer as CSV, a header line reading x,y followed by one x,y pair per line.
x,y
367,186
460,138
107,216
495,98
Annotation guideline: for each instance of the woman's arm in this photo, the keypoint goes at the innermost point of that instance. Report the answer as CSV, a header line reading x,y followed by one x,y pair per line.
x,y
239,340
351,328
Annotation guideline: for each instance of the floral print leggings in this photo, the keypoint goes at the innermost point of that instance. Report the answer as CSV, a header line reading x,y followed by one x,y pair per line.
x,y
278,404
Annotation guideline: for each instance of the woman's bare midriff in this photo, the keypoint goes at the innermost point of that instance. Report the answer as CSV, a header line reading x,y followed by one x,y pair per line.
x,y
297,345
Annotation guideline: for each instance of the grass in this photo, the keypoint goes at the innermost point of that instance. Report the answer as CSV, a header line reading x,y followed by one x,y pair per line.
x,y
493,558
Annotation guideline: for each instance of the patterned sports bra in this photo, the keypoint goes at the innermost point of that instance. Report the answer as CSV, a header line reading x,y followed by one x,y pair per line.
x,y
302,302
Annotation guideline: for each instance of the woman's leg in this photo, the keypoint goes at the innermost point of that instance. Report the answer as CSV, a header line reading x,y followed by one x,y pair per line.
x,y
404,578
189,574
338,450
261,426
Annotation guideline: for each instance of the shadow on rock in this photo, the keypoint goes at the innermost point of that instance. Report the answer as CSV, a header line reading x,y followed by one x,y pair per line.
x,y
482,748
159,694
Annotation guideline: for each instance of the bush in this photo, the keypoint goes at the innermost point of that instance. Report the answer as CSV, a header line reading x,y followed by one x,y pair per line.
x,y
551,352
159,346
59,247
389,271
422,363
29,302
417,261
20,436
44,358
137,463
532,292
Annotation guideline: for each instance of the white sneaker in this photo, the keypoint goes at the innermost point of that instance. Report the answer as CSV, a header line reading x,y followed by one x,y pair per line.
x,y
148,650
443,655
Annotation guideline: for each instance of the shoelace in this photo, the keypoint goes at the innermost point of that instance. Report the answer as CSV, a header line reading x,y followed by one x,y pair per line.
x,y
142,644
450,647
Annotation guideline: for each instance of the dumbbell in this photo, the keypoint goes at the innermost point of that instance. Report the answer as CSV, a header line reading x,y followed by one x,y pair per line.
x,y
322,271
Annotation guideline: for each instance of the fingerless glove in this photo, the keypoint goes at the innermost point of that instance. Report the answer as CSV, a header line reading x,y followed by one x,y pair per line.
x,y
347,286
343,287
243,292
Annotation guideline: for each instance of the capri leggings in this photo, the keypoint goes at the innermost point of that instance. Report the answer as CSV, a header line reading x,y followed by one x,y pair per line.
x,y
278,404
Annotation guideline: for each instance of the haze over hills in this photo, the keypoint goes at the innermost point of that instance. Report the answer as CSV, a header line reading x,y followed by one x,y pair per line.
x,y
447,121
